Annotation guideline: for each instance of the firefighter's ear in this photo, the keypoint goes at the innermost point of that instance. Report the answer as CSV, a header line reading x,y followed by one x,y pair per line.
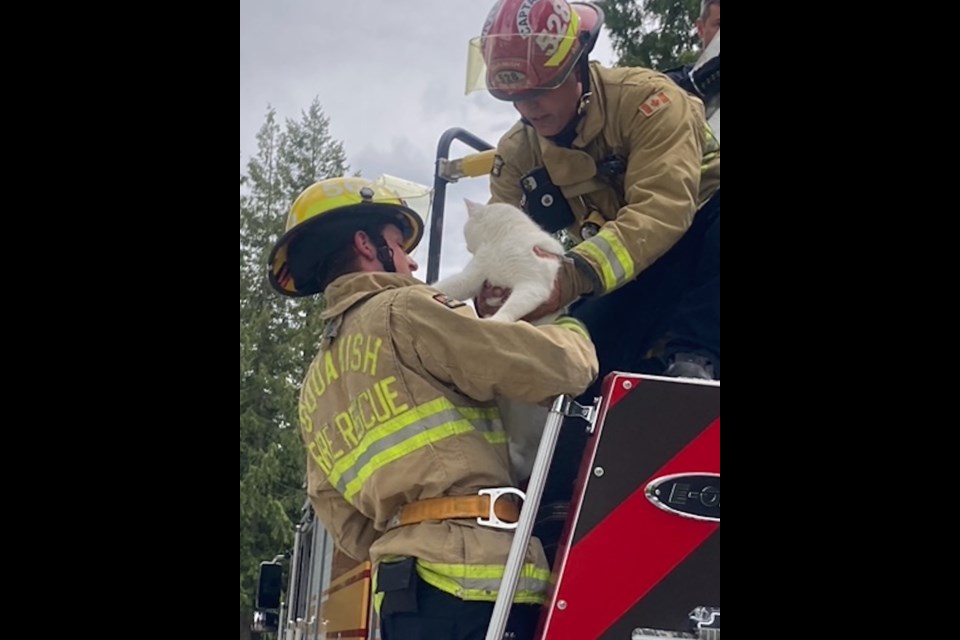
x,y
364,245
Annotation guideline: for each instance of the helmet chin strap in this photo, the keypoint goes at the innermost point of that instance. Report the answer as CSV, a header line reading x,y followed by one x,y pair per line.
x,y
585,92
385,255
584,101
384,252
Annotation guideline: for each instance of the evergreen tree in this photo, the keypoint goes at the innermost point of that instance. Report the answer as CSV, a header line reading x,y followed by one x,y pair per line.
x,y
278,337
657,34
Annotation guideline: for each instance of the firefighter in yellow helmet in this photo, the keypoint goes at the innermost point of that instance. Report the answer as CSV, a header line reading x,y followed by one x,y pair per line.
x,y
321,222
398,417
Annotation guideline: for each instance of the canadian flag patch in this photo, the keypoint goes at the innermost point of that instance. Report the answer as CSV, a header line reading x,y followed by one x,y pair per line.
x,y
654,103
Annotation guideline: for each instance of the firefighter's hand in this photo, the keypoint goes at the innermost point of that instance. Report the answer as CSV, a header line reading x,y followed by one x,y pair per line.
x,y
552,304
562,293
490,299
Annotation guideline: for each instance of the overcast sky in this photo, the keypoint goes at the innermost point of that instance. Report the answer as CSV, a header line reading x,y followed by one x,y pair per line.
x,y
390,77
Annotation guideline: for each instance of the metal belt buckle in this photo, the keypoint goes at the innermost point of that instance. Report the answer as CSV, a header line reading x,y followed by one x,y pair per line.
x,y
495,494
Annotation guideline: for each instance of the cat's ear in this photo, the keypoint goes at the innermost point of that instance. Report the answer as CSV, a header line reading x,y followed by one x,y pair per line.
x,y
472,207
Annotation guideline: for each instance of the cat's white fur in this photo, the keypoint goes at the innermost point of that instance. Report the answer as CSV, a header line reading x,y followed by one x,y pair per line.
x,y
502,240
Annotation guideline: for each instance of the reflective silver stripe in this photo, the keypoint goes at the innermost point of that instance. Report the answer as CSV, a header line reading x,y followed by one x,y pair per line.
x,y
452,416
394,439
619,271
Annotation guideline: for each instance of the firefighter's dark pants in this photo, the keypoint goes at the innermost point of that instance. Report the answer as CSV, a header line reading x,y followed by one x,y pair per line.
x,y
676,301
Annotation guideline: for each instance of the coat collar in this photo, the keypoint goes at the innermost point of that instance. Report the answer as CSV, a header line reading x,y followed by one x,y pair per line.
x,y
353,288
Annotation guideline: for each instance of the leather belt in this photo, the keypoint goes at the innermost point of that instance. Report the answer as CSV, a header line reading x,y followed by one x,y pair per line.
x,y
486,507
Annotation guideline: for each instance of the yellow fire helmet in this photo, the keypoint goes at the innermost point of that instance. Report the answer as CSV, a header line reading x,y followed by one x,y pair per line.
x,y
322,220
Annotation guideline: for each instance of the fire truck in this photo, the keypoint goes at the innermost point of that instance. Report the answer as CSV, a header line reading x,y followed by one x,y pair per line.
x,y
639,552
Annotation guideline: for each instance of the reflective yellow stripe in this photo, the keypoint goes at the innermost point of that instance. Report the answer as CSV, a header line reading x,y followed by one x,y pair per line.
x,y
487,415
566,43
589,250
622,257
423,439
411,430
481,582
496,437
573,325
711,147
386,435
476,582
479,413
384,431
611,257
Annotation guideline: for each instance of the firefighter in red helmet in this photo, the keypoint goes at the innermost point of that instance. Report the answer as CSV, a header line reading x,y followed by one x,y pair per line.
x,y
621,164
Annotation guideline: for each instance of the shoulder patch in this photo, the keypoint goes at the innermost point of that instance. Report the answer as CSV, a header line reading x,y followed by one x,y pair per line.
x,y
654,103
448,302
497,166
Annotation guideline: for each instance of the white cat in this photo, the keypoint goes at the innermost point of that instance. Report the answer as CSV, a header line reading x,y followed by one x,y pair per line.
x,y
504,242
510,250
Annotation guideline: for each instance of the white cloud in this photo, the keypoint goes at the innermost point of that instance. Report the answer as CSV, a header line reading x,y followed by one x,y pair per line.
x,y
390,77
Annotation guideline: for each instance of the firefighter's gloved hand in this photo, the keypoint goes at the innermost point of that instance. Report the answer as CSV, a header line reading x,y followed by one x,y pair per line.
x,y
490,299
706,79
569,285
552,304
